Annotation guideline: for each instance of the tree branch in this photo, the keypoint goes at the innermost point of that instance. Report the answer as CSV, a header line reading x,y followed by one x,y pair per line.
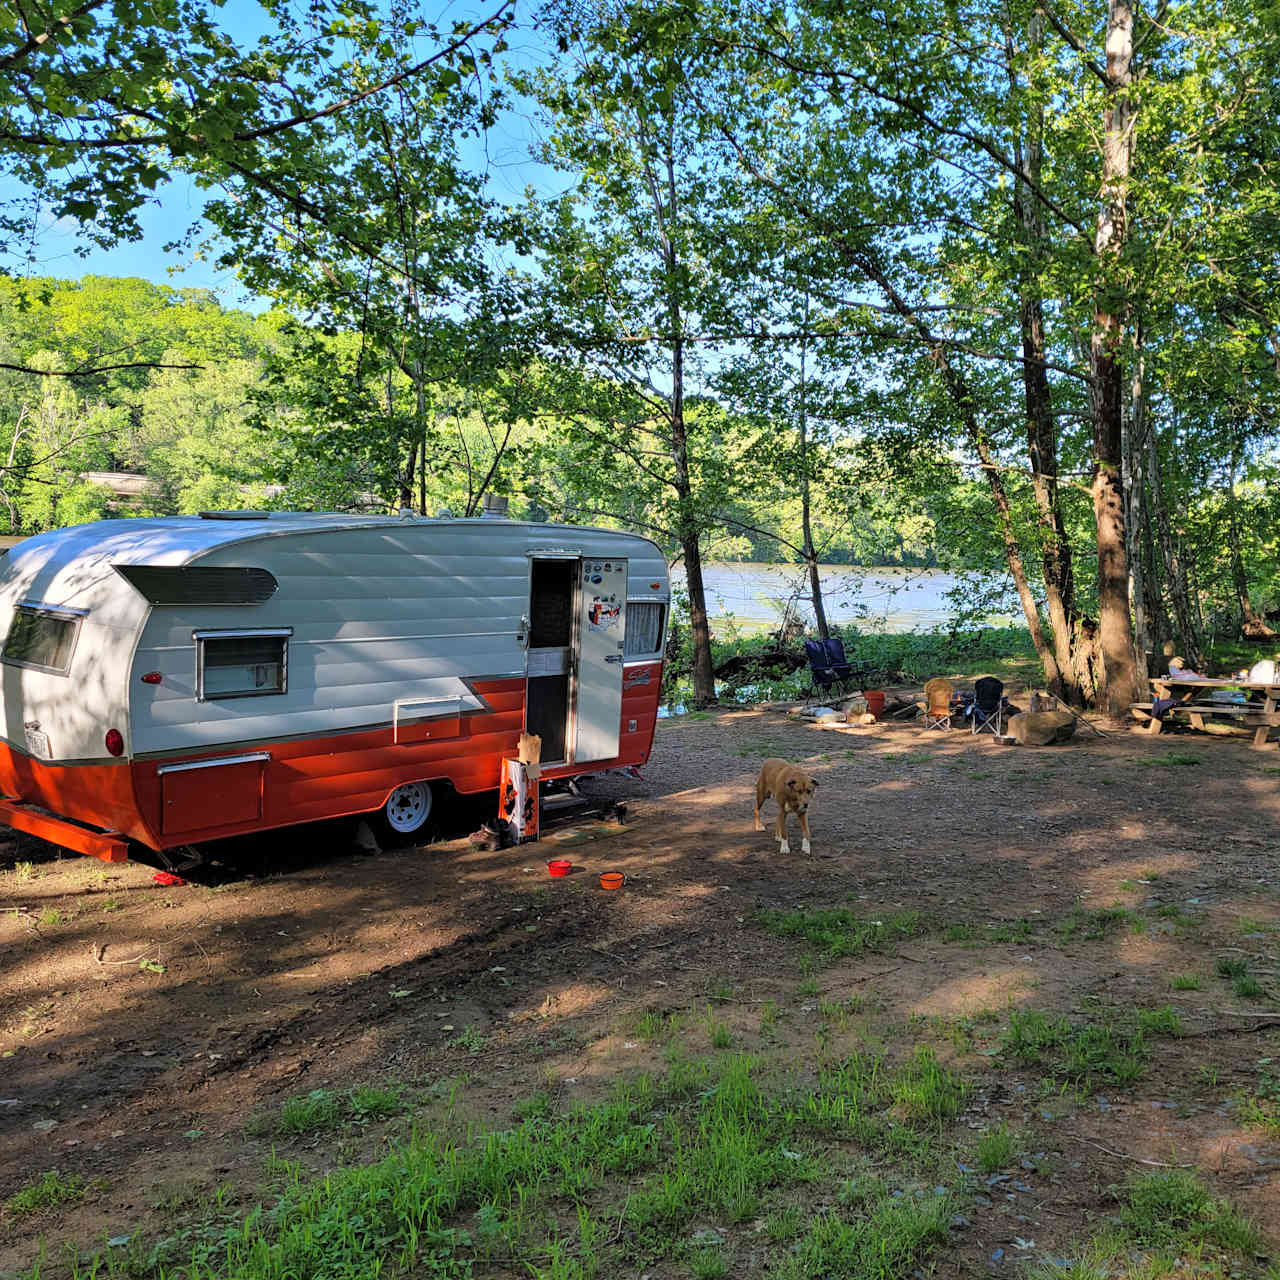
x,y
88,372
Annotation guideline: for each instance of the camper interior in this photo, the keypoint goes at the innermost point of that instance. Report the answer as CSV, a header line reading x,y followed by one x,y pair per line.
x,y
553,585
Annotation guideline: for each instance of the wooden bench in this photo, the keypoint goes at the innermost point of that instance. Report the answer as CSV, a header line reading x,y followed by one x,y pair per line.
x,y
1250,716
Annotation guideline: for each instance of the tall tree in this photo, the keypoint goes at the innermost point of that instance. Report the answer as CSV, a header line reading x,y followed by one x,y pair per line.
x,y
628,260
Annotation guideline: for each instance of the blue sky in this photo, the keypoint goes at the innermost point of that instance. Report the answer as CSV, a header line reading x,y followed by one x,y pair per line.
x,y
503,156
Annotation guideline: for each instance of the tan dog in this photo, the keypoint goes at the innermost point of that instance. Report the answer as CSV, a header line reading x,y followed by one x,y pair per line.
x,y
792,788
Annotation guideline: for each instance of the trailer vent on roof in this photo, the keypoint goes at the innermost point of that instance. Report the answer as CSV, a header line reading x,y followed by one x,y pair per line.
x,y
199,584
235,515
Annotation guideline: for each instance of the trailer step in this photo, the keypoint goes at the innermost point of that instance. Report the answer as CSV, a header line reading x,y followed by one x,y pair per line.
x,y
109,846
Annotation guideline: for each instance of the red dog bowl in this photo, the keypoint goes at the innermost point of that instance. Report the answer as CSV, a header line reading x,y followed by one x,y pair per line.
x,y
611,879
559,867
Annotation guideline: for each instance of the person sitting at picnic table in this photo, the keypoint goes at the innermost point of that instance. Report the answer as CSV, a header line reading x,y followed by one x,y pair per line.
x,y
1178,670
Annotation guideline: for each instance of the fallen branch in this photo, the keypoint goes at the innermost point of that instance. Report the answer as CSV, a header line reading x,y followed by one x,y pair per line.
x,y
1120,1155
1265,1025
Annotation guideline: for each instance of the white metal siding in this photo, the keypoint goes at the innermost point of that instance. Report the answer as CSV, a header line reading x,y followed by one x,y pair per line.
x,y
405,610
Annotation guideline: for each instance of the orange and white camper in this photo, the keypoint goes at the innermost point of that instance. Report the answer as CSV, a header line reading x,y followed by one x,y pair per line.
x,y
174,681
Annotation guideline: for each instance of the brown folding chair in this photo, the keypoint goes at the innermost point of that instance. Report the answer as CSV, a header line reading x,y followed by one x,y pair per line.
x,y
937,703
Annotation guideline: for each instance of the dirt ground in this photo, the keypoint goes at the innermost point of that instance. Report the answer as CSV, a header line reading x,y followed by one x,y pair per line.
x,y
142,1027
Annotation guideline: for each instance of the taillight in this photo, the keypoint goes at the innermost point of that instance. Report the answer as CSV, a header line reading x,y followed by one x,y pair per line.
x,y
115,742
152,677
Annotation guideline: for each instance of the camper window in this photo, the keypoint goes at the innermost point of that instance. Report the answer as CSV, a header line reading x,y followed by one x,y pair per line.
x,y
644,628
241,664
42,638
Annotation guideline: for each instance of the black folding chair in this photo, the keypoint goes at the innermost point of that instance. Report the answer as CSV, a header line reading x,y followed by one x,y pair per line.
x,y
828,666
988,705
823,676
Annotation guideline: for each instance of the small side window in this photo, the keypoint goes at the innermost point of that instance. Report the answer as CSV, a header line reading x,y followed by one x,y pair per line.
x,y
241,664
41,638
644,628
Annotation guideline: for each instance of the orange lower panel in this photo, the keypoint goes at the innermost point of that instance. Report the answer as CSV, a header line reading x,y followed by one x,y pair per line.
x,y
308,780
100,795
35,822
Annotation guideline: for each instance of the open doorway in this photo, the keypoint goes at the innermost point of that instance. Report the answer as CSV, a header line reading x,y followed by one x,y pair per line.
x,y
551,599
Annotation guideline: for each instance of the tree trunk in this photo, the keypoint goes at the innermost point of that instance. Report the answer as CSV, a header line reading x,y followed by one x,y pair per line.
x,y
704,678
1042,442
1135,489
1253,626
806,527
1115,632
1186,631
688,532
1012,554
406,479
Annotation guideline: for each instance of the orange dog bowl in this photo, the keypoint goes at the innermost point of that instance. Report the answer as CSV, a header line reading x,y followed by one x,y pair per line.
x,y
611,879
559,867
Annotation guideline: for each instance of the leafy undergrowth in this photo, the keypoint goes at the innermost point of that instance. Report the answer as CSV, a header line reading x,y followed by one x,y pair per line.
x,y
47,1191
636,1178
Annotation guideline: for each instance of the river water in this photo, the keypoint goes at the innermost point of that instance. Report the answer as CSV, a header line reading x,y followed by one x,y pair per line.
x,y
755,596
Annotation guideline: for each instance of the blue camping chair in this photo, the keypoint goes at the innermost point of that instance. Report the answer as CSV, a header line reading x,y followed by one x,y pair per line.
x,y
829,667
988,706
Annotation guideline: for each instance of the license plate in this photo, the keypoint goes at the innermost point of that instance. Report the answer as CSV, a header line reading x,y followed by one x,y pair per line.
x,y
38,744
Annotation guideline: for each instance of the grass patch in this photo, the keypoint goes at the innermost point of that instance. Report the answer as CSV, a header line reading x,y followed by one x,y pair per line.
x,y
322,1110
1081,924
1186,982
893,1238
46,1192
313,1112
1116,1050
994,932
996,1149
1175,1209
1231,967
717,1032
1247,986
1171,759
374,1102
838,931
655,1024
472,1039
708,1263
1165,1219
926,1090
24,871
601,1189
1259,1113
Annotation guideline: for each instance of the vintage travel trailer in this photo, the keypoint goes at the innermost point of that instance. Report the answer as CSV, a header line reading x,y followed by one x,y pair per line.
x,y
173,681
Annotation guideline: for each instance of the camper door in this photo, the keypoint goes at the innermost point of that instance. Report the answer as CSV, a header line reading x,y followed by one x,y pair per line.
x,y
602,629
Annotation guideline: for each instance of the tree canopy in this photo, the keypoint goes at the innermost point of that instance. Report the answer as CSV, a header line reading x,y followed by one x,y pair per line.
x,y
990,286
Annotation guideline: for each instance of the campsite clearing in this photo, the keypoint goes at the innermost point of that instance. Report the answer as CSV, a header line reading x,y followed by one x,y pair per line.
x,y
1020,1004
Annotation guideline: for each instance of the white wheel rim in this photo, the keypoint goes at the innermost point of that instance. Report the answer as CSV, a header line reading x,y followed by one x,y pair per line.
x,y
408,806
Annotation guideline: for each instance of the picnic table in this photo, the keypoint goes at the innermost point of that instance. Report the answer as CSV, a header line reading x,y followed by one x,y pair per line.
x,y
1193,698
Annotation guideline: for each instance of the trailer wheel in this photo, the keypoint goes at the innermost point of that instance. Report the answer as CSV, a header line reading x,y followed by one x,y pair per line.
x,y
408,807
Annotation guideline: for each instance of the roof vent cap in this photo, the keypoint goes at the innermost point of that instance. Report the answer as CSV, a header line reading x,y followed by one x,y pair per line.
x,y
495,508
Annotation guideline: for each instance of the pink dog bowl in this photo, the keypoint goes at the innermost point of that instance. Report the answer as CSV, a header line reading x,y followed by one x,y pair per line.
x,y
559,867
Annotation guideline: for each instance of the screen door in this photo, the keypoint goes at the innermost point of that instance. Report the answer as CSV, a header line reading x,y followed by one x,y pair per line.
x,y
602,631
